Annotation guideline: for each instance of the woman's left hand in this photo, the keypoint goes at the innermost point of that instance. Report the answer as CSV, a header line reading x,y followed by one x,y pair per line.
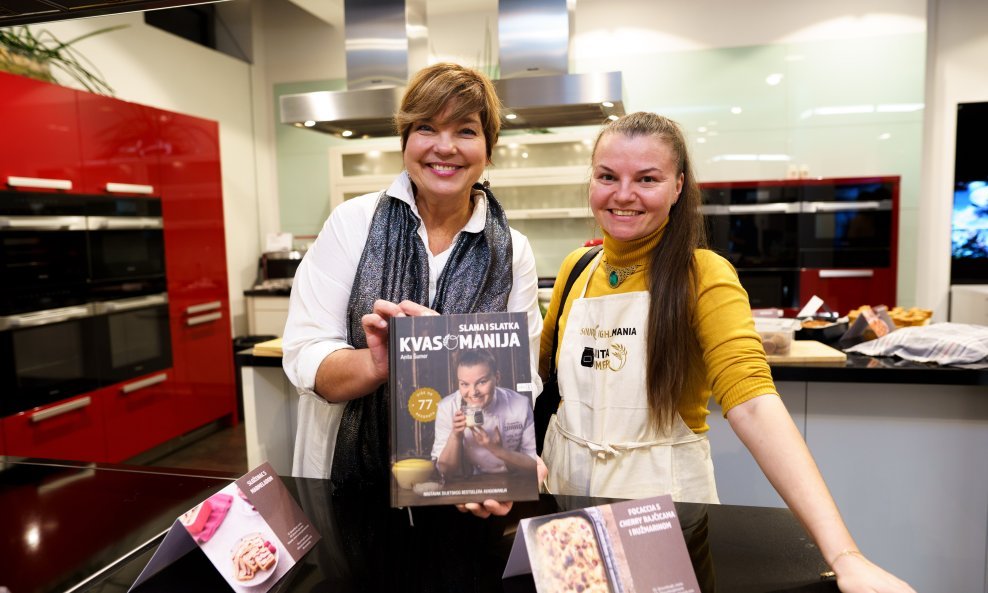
x,y
487,508
857,574
494,507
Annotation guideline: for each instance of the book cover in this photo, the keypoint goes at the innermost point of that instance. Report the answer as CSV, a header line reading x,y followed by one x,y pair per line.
x,y
462,428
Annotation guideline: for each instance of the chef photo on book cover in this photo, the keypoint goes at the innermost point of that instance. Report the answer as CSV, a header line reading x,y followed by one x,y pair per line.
x,y
483,427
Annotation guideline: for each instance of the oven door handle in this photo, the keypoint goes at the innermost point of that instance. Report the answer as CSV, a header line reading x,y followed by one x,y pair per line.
x,y
143,383
60,409
43,223
46,317
777,208
122,223
39,182
134,303
845,206
846,273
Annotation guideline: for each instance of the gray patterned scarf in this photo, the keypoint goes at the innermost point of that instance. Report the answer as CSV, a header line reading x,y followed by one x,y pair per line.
x,y
394,266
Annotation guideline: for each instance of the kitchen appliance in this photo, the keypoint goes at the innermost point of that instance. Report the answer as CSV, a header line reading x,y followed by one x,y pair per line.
x,y
43,252
46,356
132,336
847,225
386,40
756,227
279,265
83,303
126,239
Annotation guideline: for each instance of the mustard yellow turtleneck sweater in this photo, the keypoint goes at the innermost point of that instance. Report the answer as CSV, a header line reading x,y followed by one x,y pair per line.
x,y
736,370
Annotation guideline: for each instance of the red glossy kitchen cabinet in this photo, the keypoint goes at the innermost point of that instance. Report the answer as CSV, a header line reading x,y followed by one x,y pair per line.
x,y
119,146
138,414
72,429
40,148
195,258
846,289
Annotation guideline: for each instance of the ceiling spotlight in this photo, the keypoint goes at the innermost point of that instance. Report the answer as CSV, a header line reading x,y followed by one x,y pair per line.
x,y
309,123
613,117
735,110
607,104
773,79
346,133
510,116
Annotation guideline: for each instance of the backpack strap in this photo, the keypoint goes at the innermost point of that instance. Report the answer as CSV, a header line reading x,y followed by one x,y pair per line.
x,y
581,264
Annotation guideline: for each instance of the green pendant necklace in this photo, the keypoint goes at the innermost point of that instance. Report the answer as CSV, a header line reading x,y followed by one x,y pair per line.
x,y
615,276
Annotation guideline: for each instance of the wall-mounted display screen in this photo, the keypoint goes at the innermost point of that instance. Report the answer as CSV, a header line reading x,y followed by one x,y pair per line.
x,y
969,221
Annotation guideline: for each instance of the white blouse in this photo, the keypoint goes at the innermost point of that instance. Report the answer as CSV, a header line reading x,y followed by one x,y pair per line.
x,y
317,314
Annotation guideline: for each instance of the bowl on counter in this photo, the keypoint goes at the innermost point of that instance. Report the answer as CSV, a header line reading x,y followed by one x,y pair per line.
x,y
827,332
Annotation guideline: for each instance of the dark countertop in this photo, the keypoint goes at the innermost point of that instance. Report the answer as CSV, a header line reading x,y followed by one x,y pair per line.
x,y
857,369
268,292
74,520
884,369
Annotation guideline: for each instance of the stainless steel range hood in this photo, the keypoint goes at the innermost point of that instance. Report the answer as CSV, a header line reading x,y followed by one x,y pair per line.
x,y
385,41
535,87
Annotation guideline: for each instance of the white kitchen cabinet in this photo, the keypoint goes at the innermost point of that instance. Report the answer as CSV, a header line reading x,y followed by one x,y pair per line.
x,y
539,179
906,464
969,303
739,479
907,467
266,315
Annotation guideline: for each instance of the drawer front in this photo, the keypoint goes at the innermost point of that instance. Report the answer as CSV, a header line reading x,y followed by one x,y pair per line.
x,y
71,429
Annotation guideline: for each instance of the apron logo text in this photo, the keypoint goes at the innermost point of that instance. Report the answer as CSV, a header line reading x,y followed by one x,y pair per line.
x,y
603,359
596,332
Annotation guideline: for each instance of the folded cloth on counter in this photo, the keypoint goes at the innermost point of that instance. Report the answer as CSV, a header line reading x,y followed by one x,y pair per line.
x,y
220,504
954,344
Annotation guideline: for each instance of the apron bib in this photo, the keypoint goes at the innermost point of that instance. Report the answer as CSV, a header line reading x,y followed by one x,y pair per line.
x,y
598,443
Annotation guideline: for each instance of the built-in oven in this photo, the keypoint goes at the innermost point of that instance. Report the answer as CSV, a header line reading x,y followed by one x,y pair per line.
x,y
753,226
770,288
43,252
756,228
83,296
132,336
126,238
46,356
848,225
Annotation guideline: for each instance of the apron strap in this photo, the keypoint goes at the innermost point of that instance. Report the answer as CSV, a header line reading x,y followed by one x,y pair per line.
x,y
605,450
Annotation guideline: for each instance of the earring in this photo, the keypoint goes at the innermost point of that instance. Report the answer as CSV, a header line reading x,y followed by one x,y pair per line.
x,y
486,182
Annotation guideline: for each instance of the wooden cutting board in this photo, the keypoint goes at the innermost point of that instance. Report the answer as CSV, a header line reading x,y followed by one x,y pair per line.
x,y
272,348
808,352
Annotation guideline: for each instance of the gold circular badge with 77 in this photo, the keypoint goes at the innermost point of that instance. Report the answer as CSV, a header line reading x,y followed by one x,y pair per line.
x,y
423,404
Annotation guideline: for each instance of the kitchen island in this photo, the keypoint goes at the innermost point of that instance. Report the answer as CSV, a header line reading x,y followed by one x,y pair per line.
x,y
87,527
901,445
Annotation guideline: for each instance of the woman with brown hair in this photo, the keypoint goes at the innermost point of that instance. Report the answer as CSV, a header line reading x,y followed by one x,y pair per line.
x,y
651,328
435,241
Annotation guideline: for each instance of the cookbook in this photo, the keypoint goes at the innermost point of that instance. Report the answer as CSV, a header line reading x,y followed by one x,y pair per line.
x,y
462,428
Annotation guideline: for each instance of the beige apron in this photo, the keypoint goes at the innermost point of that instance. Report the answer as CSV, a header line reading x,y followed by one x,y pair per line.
x,y
598,443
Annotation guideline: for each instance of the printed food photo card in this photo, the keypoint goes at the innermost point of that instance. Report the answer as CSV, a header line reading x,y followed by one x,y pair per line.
x,y
462,428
